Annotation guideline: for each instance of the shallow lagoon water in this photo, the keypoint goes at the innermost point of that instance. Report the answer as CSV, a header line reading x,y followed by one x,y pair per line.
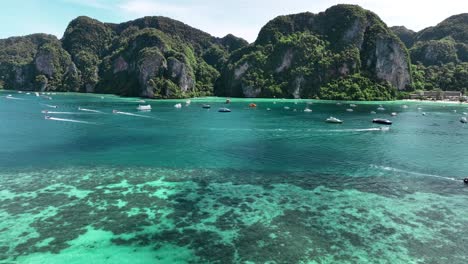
x,y
193,185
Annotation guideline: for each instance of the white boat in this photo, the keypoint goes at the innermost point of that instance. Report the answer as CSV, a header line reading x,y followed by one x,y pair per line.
x,y
464,120
338,103
188,102
381,108
268,109
349,110
393,114
37,94
465,113
28,93
353,105
286,108
333,120
423,113
141,101
308,110
404,106
178,106
144,108
373,112
224,110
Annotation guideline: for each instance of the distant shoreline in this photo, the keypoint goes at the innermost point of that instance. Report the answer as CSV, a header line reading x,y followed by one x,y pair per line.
x,y
233,99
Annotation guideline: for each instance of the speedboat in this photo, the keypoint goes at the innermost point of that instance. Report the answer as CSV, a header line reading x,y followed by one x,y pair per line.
x,y
423,113
349,110
382,121
307,110
463,120
206,106
286,108
252,105
179,105
333,120
393,114
224,110
36,93
353,105
381,108
384,128
144,107
46,117
115,111
268,109
44,111
373,112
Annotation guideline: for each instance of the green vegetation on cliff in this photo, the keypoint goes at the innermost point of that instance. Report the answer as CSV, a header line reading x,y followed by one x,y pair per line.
x,y
345,52
439,54
318,56
152,56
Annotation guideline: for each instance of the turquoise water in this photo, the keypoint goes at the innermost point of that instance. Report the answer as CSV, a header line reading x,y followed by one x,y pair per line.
x,y
192,185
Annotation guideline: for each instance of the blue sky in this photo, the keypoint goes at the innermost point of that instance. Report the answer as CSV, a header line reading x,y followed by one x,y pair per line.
x,y
243,18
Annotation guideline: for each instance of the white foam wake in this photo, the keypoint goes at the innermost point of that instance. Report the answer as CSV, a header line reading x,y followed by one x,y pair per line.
x,y
413,172
358,129
48,105
69,120
61,113
13,98
129,114
89,110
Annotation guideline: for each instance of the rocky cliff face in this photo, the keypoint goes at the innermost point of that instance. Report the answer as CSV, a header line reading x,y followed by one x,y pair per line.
x,y
294,56
444,43
36,62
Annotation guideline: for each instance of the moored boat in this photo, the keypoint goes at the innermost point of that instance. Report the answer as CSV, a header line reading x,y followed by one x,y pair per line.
x,y
224,110
206,106
382,121
144,107
252,105
308,110
333,120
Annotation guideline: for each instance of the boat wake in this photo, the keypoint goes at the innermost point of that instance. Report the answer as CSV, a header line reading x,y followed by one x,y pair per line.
x,y
129,114
60,113
48,105
89,110
358,129
68,120
413,172
13,98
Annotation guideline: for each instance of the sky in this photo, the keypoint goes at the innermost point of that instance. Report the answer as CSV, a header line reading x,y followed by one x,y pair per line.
x,y
243,18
